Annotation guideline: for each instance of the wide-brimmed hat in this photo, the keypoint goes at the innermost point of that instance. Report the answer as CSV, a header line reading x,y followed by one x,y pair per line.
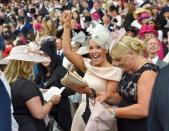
x,y
146,29
139,11
143,15
28,52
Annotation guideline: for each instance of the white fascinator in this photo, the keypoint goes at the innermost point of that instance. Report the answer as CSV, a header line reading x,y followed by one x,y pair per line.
x,y
100,34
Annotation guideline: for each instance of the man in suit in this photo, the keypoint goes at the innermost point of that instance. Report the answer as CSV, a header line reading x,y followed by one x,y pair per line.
x,y
7,121
152,49
59,48
158,116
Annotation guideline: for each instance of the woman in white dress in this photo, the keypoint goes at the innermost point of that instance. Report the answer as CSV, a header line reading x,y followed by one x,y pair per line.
x,y
101,77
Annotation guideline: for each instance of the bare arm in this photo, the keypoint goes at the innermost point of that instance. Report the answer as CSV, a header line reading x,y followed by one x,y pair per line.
x,y
139,110
73,57
111,96
38,110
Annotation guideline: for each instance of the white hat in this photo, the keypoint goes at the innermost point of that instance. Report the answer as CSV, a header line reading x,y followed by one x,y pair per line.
x,y
80,37
4,62
28,52
83,50
100,34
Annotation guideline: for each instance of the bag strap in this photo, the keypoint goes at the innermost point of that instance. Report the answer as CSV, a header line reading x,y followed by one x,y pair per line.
x,y
87,101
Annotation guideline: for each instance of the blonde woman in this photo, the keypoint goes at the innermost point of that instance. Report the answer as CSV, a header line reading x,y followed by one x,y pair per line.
x,y
101,76
134,89
28,103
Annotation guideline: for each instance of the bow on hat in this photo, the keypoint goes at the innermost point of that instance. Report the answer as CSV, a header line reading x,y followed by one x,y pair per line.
x,y
100,34
116,36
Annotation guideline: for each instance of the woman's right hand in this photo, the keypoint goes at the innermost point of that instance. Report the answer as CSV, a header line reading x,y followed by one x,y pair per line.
x,y
55,99
66,17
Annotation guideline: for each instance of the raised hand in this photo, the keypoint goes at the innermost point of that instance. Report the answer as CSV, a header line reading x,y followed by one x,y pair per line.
x,y
66,17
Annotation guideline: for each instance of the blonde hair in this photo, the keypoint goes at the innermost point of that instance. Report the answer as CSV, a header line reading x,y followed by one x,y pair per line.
x,y
18,68
48,31
125,44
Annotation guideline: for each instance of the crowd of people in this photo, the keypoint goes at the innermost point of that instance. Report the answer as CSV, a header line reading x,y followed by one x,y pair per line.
x,y
119,48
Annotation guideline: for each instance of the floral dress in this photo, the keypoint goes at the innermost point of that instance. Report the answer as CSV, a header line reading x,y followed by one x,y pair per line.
x,y
127,89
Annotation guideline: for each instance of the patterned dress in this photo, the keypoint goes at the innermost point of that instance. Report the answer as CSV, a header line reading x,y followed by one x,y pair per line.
x,y
128,91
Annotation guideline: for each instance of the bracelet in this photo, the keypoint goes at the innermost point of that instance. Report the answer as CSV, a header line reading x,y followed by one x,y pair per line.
x,y
52,102
93,93
113,111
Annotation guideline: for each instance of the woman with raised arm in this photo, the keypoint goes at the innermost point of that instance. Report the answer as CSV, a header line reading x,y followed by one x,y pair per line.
x,y
102,78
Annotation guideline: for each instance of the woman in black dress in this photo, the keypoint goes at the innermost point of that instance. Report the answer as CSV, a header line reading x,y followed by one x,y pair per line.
x,y
28,103
134,89
50,74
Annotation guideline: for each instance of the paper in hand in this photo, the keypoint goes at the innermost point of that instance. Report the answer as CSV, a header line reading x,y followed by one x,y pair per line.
x,y
51,92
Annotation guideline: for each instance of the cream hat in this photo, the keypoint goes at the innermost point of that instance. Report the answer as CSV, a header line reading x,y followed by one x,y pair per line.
x,y
83,50
100,34
29,52
80,37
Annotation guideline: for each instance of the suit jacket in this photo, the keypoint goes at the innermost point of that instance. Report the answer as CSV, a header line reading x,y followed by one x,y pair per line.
x,y
5,110
161,63
62,111
159,105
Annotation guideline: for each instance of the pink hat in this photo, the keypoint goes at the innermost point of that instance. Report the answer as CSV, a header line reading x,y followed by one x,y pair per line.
x,y
95,16
143,16
147,29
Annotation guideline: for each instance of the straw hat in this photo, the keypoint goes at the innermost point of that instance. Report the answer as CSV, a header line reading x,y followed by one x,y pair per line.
x,y
28,52
144,15
140,11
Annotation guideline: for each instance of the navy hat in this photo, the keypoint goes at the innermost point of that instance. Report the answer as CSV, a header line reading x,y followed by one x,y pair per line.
x,y
133,29
49,47
165,9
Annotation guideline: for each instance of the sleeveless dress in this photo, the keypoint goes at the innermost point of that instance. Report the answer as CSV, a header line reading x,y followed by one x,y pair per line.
x,y
127,89
97,78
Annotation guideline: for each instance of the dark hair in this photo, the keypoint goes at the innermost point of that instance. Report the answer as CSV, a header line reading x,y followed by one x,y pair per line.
x,y
113,8
49,47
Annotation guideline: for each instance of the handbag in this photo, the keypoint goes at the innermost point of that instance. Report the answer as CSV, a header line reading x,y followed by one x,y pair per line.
x,y
72,78
87,112
53,125
100,119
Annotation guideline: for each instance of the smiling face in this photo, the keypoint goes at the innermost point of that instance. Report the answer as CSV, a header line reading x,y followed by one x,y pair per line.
x,y
97,53
49,23
46,64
